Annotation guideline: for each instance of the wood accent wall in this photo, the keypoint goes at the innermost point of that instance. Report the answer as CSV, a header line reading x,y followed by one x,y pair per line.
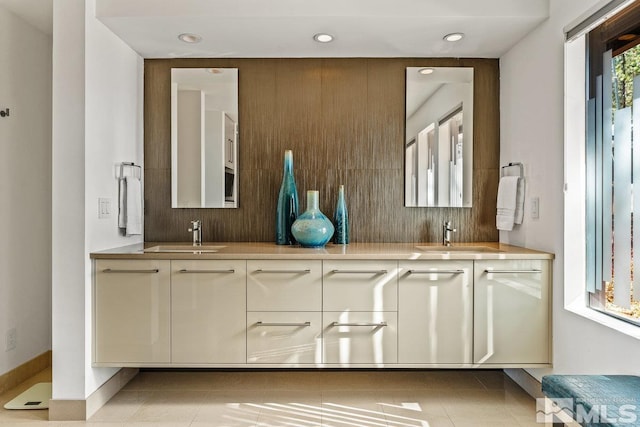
x,y
344,120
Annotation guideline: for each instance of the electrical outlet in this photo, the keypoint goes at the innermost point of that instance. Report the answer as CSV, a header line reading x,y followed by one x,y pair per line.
x,y
12,339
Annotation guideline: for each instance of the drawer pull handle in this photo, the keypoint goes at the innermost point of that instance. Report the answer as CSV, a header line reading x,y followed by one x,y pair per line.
x,y
184,270
307,271
110,270
532,271
360,271
302,324
436,271
373,325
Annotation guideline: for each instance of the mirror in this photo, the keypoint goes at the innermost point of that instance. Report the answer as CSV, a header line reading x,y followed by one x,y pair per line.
x,y
439,137
204,137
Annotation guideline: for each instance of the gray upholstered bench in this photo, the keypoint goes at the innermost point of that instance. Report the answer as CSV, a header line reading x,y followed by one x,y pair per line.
x,y
596,400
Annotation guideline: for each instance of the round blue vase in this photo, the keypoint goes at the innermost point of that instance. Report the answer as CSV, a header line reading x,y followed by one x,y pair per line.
x,y
312,229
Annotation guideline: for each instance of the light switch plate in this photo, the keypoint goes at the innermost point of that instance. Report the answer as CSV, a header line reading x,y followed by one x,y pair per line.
x,y
535,207
104,208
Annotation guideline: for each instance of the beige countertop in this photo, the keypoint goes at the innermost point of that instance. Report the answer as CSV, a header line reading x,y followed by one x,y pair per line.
x,y
354,251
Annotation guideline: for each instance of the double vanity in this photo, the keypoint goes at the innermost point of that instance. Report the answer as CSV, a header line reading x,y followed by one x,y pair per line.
x,y
259,305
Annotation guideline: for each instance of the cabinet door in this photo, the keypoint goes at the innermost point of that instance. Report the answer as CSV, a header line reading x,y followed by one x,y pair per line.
x,y
435,312
291,285
360,285
208,311
285,337
360,338
511,312
131,312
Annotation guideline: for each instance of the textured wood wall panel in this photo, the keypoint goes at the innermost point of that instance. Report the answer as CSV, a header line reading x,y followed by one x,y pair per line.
x,y
344,120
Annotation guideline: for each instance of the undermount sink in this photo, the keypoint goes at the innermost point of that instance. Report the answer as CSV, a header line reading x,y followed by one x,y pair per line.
x,y
184,248
449,249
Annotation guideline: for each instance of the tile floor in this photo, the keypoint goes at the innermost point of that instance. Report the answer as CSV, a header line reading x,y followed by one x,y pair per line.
x,y
447,398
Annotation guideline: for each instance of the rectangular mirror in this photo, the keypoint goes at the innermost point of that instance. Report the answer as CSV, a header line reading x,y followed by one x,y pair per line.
x,y
204,138
439,137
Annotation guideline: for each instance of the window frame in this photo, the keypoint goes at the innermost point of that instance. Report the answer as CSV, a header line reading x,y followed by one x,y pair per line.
x,y
575,113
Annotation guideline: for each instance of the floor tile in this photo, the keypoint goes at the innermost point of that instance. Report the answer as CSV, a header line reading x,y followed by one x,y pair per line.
x,y
170,406
360,407
366,398
122,406
229,408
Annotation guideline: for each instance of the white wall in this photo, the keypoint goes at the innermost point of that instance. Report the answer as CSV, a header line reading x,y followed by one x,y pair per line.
x,y
25,176
97,124
532,103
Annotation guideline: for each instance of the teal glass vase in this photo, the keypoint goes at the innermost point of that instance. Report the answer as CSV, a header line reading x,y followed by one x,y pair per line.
x,y
312,229
341,220
287,208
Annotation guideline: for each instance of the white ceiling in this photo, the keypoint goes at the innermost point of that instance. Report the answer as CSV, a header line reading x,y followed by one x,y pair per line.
x,y
284,28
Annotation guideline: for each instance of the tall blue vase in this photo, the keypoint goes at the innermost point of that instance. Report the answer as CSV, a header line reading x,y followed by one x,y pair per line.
x,y
341,220
312,229
287,208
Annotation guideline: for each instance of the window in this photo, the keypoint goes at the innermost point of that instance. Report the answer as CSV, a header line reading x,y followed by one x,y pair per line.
x,y
613,165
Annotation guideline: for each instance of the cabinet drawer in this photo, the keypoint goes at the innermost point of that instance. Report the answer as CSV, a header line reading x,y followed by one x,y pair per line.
x,y
285,337
293,285
132,312
208,304
435,312
512,312
360,285
360,338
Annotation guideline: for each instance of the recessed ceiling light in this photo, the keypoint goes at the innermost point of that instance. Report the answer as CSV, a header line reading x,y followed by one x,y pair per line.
x,y
190,38
453,37
425,71
323,38
214,70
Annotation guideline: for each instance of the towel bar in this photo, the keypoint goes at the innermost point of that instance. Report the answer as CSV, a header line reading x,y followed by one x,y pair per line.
x,y
137,169
510,165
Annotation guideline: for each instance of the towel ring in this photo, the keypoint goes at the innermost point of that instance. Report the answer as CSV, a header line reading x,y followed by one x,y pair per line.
x,y
510,165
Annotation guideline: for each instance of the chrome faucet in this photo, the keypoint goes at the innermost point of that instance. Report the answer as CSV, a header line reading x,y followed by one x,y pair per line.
x,y
446,233
196,229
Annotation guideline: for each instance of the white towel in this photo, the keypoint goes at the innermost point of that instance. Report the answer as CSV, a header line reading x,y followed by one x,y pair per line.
x,y
519,215
122,197
507,202
133,206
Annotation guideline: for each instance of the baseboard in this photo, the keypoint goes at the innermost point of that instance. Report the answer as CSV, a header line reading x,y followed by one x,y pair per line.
x,y
25,371
82,410
526,381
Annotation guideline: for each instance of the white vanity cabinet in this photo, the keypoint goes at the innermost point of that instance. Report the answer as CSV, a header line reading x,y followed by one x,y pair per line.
x,y
208,305
356,306
512,312
284,312
360,285
360,312
351,338
132,312
435,312
291,338
287,285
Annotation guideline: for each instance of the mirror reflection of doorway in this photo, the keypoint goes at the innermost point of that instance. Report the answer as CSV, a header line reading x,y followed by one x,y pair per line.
x,y
435,164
